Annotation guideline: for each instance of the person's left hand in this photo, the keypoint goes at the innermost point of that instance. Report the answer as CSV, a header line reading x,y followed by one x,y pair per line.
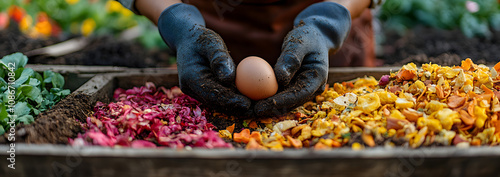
x,y
302,68
206,70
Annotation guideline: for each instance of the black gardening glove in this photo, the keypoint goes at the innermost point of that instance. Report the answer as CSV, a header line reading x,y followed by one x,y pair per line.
x,y
206,70
302,68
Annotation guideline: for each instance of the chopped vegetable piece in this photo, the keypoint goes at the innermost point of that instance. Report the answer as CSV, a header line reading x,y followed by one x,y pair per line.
x,y
149,117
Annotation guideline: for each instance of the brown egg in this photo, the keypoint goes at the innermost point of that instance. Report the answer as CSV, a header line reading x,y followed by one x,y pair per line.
x,y
255,78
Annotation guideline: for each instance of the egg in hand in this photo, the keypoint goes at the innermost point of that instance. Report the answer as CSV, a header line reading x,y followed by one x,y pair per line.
x,y
255,78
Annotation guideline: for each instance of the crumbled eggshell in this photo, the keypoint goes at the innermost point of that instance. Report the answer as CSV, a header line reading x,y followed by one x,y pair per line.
x,y
255,78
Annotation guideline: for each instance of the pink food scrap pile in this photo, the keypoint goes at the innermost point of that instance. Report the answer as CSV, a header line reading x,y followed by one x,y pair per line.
x,y
150,117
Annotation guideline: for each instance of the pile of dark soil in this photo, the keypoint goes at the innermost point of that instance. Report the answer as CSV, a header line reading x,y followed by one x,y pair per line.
x,y
56,125
102,50
14,41
444,47
108,51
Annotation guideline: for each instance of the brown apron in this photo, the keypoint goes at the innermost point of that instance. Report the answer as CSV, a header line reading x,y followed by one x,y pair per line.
x,y
258,27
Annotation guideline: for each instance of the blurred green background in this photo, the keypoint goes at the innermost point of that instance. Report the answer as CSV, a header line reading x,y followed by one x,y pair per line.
x,y
63,18
473,18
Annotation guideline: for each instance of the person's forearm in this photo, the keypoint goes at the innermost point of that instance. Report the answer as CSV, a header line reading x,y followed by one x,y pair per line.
x,y
355,7
152,8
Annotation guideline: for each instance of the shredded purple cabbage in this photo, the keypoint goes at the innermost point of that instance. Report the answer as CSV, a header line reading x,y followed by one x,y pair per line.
x,y
148,117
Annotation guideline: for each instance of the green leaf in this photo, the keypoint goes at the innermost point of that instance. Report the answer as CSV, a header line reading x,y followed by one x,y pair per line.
x,y
2,82
427,18
398,6
426,5
29,91
3,114
16,60
36,111
34,82
474,26
245,123
467,24
21,108
39,99
62,93
2,131
3,98
57,80
495,21
446,18
3,72
47,76
346,135
25,75
39,77
45,92
26,119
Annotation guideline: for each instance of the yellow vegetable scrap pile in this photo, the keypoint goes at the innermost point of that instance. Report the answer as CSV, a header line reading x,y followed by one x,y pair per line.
x,y
413,107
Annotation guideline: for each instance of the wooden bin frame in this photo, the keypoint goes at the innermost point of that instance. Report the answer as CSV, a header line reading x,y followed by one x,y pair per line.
x,y
63,160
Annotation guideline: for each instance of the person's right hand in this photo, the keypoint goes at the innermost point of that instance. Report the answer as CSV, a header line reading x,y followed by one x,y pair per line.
x,y
206,70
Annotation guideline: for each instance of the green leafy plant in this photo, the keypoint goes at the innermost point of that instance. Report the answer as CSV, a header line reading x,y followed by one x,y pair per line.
x,y
473,18
25,93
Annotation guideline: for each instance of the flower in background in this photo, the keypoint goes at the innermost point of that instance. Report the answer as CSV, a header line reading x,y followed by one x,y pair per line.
x,y
126,12
25,23
71,2
472,6
41,19
4,20
56,29
17,13
116,7
88,26
113,6
43,26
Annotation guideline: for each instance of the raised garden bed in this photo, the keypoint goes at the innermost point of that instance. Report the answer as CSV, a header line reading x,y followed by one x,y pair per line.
x,y
63,160
56,160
